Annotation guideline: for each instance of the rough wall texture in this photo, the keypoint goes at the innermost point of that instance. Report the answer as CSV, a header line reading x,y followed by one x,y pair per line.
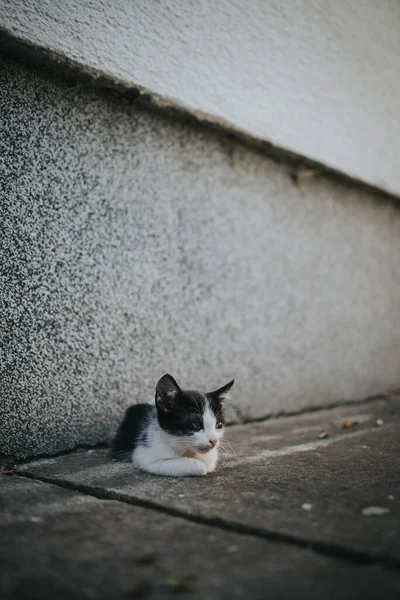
x,y
320,78
132,245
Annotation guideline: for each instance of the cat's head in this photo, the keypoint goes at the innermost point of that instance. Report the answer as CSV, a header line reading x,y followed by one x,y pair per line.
x,y
197,420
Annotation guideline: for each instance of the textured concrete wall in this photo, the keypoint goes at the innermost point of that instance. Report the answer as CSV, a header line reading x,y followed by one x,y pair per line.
x,y
318,77
132,245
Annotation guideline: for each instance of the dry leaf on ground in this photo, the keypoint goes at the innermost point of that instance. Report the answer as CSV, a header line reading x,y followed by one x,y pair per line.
x,y
302,176
348,424
5,471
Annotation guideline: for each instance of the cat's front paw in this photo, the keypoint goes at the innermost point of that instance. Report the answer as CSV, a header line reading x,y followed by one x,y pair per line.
x,y
210,460
199,468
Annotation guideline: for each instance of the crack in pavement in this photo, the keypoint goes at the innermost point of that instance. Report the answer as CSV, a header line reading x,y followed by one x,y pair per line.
x,y
331,550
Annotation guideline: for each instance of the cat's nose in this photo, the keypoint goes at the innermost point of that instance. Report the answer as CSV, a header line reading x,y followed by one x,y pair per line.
x,y
213,442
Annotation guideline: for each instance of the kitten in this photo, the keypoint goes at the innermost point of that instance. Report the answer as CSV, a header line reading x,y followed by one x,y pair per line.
x,y
179,436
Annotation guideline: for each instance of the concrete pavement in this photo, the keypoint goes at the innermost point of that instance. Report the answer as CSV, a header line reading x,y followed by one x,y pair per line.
x,y
302,506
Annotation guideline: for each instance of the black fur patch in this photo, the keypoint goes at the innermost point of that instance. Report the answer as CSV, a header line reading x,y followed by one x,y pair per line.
x,y
186,416
217,408
132,431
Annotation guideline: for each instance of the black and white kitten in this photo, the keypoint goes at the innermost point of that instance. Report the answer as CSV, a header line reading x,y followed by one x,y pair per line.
x,y
179,436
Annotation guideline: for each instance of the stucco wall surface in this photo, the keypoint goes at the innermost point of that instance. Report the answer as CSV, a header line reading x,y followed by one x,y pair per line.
x,y
320,78
132,245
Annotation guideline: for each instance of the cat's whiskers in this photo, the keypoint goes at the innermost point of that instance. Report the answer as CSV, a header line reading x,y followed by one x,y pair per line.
x,y
182,445
225,448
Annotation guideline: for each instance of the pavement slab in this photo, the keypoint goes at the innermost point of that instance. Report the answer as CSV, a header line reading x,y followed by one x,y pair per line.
x,y
58,543
285,481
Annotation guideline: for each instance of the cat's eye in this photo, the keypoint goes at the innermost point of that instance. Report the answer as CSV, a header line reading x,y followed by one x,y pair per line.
x,y
219,425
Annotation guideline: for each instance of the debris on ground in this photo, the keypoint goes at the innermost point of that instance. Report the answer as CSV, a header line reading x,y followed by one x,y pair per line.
x,y
306,506
146,559
5,471
181,583
324,434
348,424
36,519
374,511
302,176
379,422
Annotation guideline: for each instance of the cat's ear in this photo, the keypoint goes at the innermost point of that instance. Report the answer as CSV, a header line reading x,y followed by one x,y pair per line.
x,y
222,393
167,392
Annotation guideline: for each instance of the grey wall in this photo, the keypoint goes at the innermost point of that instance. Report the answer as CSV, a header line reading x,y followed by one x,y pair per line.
x,y
132,245
318,77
